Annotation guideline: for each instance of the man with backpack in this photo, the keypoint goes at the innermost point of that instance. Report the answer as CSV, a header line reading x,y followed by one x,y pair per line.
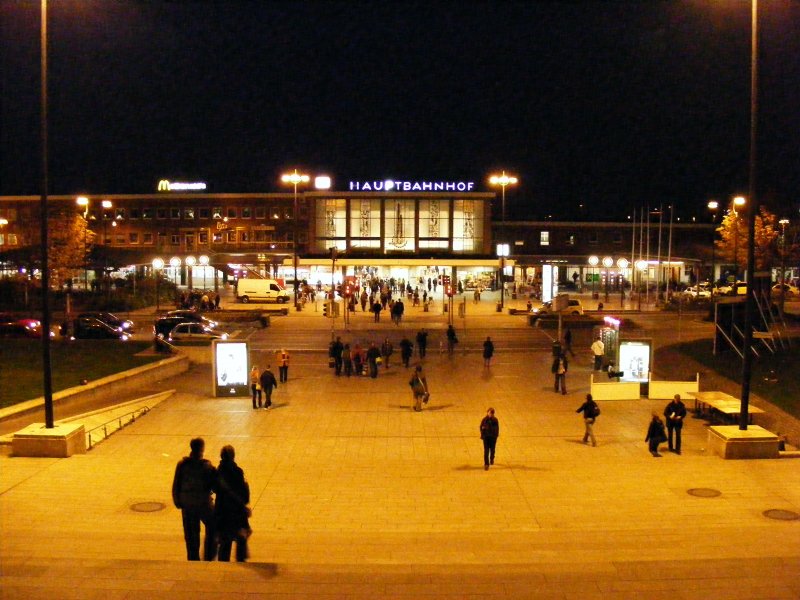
x,y
590,412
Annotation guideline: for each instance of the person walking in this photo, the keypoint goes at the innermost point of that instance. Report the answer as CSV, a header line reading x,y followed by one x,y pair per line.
x,y
282,358
373,354
568,342
422,342
347,360
590,412
452,339
217,300
559,369
386,351
376,311
675,413
268,382
419,388
598,350
194,481
406,350
655,435
488,352
336,353
255,387
490,431
231,511
358,360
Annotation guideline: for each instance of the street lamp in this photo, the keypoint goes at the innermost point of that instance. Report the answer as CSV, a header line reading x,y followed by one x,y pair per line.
x,y
622,264
175,263
204,263
190,262
502,252
294,179
503,181
593,262
713,205
783,223
737,201
608,262
158,264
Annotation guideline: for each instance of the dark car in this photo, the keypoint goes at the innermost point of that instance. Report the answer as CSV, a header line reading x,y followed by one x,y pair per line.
x,y
164,325
89,328
125,325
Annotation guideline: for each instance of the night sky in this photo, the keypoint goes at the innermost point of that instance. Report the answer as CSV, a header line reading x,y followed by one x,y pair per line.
x,y
608,105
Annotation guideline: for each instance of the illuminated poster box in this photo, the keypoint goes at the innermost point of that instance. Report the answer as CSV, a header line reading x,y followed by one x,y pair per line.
x,y
635,357
231,368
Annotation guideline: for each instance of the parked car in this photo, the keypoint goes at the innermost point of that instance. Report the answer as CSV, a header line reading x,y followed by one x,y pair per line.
x,y
698,291
736,289
110,319
195,332
12,326
192,315
575,307
163,326
89,328
789,290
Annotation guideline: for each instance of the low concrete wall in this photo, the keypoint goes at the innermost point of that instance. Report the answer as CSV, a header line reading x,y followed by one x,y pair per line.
x,y
729,442
666,390
107,389
614,390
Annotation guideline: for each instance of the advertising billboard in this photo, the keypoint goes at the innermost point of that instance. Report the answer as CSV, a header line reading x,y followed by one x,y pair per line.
x,y
231,368
635,360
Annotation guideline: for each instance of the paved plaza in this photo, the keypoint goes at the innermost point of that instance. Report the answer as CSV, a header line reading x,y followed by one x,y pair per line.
x,y
354,495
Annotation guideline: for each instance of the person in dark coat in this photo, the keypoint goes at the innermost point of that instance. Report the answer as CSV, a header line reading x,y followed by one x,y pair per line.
x,y
376,311
452,339
406,350
559,369
488,352
194,481
231,510
675,413
372,360
490,431
655,435
268,382
568,342
386,352
590,412
422,342
336,352
216,301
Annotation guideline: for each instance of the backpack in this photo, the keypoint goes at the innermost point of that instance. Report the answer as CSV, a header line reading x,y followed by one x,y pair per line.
x,y
596,411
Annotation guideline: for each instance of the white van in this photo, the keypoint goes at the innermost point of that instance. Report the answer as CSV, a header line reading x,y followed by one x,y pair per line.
x,y
260,290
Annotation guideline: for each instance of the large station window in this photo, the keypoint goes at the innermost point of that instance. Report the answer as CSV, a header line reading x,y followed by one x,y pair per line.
x,y
434,223
467,226
330,222
365,223
399,230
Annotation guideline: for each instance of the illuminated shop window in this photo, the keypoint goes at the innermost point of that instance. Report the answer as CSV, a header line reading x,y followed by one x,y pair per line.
x,y
217,237
544,238
399,220
365,222
188,214
119,214
571,239
217,212
231,237
434,219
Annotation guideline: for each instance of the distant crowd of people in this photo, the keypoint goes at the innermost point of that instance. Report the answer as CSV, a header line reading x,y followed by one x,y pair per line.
x,y
198,299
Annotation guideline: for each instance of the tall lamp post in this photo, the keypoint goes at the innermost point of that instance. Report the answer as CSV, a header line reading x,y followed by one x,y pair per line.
x,y
713,205
502,253
608,262
203,260
294,179
158,264
622,264
83,202
593,262
641,266
106,205
503,181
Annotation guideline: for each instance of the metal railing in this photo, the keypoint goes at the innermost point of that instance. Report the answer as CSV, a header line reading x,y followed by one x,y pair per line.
x,y
107,431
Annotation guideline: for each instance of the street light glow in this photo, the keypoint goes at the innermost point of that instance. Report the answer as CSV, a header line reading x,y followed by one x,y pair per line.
x,y
295,178
158,263
203,260
739,201
107,204
82,201
190,261
175,261
593,261
713,204
608,262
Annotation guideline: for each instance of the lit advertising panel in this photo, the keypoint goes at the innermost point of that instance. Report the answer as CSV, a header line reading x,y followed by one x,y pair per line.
x,y
230,368
634,360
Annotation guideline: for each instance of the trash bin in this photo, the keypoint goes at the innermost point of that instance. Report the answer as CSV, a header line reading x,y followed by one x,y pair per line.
x,y
556,349
265,320
498,307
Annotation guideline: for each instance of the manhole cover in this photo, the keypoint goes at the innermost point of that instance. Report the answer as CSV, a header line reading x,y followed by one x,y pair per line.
x,y
148,506
781,515
704,492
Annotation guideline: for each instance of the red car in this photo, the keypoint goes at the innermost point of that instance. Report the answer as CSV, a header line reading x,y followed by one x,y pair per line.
x,y
13,327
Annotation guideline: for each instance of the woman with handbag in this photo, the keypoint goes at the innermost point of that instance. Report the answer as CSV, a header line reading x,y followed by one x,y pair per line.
x,y
255,386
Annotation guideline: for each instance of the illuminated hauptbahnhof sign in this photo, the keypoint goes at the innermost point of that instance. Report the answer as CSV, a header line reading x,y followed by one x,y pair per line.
x,y
165,185
389,185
